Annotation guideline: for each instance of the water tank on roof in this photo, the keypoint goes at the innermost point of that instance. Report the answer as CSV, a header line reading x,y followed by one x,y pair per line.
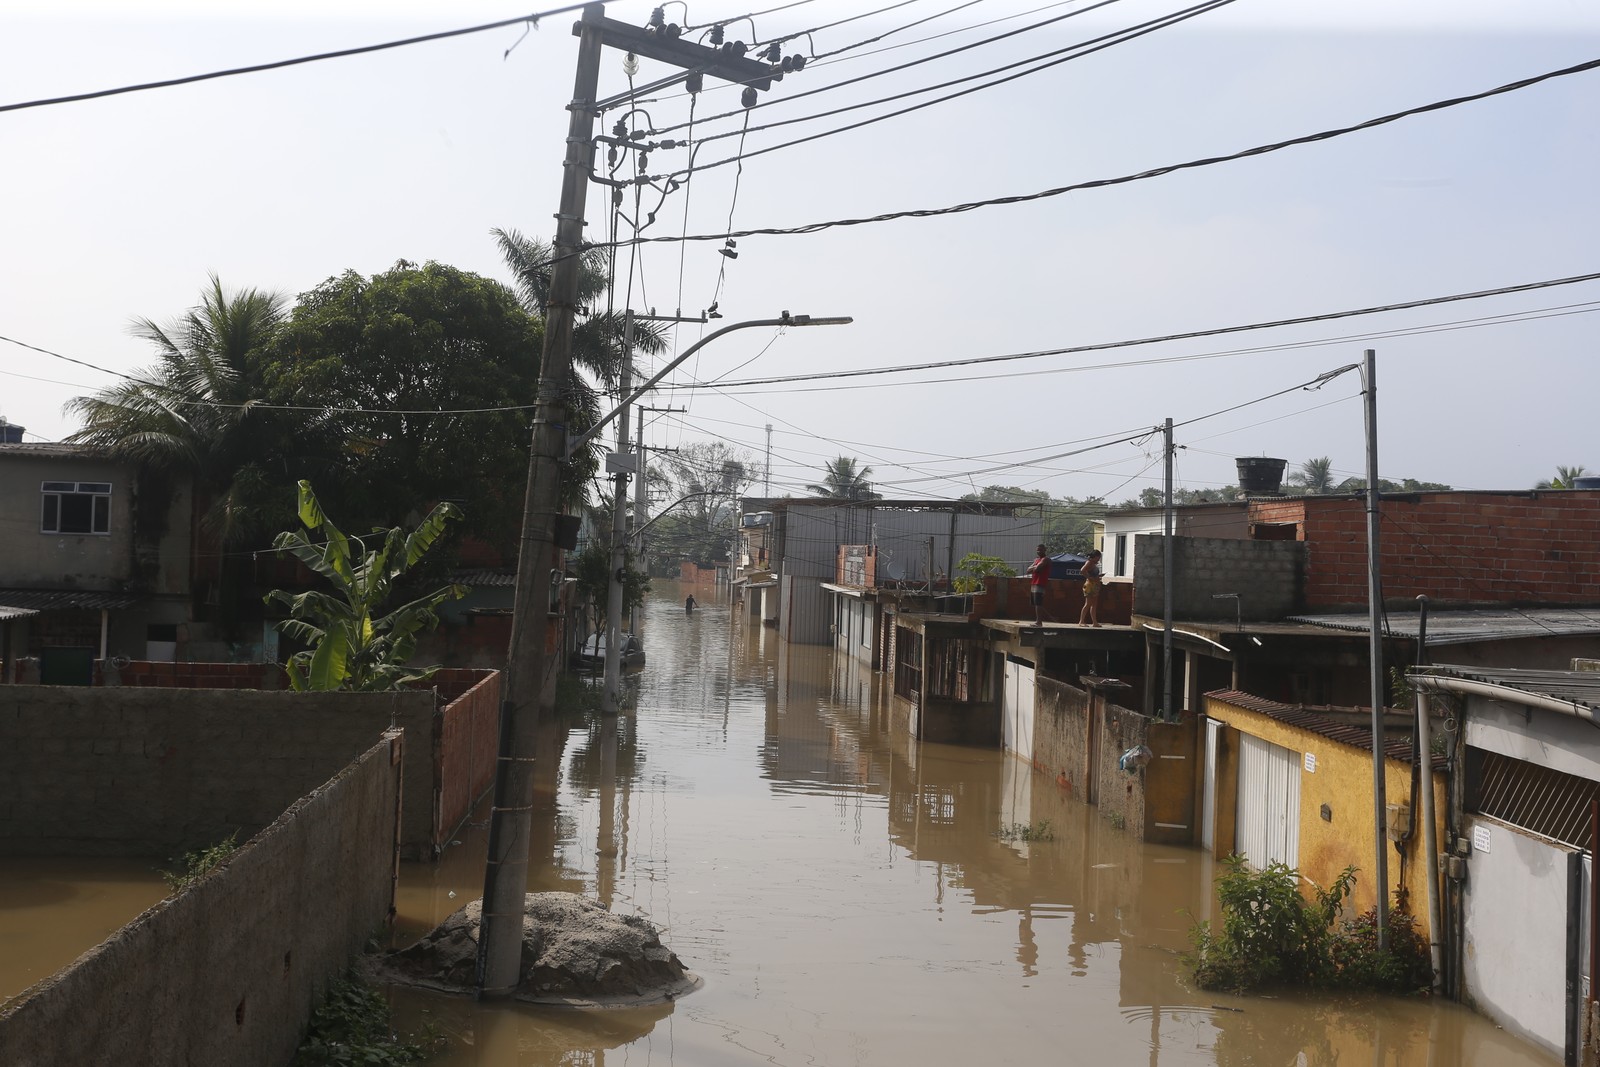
x,y
1260,474
1587,482
10,433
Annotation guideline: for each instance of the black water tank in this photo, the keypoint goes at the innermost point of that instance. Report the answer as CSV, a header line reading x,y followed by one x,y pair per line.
x,y
10,433
1588,481
1260,474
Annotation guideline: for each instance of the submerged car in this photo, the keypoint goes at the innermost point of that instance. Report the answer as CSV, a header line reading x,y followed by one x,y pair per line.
x,y
591,655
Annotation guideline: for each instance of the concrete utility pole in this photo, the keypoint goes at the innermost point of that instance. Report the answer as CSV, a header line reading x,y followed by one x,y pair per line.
x,y
610,698
511,818
1380,806
1166,585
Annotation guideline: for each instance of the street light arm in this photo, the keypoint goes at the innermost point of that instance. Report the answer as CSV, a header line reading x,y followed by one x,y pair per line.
x,y
786,320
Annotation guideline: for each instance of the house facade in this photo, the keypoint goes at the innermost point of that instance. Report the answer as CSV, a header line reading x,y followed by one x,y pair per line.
x,y
96,556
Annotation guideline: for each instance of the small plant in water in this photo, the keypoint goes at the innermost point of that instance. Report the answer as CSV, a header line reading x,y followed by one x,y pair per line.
x,y
352,1026
1022,831
1273,936
198,862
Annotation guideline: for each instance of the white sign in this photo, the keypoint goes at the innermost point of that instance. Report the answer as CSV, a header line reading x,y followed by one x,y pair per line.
x,y
1311,763
1480,838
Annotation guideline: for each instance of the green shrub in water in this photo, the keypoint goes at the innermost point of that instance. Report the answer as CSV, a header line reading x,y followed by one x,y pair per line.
x,y
1273,936
352,1026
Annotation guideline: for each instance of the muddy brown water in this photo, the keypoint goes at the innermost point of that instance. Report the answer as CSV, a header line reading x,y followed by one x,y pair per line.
x,y
849,896
54,910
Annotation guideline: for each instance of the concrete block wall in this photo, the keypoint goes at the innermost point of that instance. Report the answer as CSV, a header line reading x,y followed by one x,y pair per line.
x,y
1538,546
154,772
1063,736
1269,576
227,972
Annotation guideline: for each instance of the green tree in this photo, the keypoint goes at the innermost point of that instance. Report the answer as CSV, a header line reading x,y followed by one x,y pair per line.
x,y
1314,477
1566,478
352,646
702,482
598,344
844,479
197,412
419,381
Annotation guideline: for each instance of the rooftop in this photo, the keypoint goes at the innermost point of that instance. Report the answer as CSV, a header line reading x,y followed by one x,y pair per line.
x,y
1580,688
1468,625
1321,719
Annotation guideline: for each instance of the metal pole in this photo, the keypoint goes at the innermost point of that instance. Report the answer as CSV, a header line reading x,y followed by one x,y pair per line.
x,y
611,695
1369,386
1166,584
766,477
639,495
1423,754
505,876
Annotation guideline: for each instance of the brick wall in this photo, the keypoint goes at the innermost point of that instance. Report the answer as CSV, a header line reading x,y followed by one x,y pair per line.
x,y
467,746
228,970
1536,547
1269,576
1009,598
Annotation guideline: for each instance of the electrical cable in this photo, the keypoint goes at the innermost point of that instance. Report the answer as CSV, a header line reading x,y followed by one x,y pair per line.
x,y
657,131
1154,172
278,64
1160,338
1078,51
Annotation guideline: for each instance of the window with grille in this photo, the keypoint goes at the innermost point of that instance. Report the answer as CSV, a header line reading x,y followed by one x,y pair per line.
x,y
1533,797
75,508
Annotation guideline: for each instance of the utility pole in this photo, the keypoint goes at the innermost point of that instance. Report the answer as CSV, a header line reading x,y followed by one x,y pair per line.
x,y
766,477
1166,585
1380,806
505,881
610,697
505,877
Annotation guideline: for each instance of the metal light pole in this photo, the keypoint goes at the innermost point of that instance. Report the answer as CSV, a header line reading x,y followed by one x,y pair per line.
x,y
1369,389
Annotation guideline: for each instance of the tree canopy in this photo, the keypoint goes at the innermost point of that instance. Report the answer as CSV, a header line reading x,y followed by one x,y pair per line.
x,y
844,479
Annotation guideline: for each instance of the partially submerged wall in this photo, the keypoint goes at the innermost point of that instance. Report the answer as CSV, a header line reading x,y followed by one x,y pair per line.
x,y
98,772
227,971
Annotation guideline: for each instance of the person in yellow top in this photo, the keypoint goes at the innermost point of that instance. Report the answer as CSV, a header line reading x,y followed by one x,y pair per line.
x,y
1092,583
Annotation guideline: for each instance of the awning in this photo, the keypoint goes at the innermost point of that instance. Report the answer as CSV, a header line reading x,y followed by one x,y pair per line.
x,y
34,601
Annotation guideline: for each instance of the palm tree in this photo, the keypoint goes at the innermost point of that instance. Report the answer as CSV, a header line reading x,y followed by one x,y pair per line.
x,y
1566,478
1314,476
843,480
597,341
196,412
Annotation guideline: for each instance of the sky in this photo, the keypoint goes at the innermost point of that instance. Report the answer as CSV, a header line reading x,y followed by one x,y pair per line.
x,y
120,207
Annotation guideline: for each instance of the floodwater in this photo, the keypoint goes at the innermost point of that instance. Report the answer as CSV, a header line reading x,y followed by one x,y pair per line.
x,y
851,897
54,910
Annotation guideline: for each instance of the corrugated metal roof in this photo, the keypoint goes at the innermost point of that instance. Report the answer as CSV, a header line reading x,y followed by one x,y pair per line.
x,y
9,613
1314,718
485,579
1459,627
51,449
1575,687
64,599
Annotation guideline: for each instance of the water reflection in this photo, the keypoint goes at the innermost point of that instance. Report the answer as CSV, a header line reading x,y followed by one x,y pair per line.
x,y
849,896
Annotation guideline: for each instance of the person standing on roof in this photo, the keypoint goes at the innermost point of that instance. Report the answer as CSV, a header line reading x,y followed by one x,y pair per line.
x,y
1090,616
1039,570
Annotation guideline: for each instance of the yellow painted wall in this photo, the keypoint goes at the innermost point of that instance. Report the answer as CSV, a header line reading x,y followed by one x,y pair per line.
x,y
1343,781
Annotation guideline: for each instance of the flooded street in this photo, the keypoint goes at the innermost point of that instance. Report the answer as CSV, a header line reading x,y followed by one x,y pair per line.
x,y
850,897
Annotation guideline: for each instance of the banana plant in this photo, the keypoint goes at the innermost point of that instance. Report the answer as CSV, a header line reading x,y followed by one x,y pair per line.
x,y
352,647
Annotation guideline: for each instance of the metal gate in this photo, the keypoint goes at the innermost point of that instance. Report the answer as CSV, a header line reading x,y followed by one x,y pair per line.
x,y
1267,828
1016,709
1208,792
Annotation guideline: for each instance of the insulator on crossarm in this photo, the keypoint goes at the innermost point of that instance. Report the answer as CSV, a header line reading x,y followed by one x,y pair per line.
x,y
799,62
658,18
695,82
749,97
716,35
788,63
673,31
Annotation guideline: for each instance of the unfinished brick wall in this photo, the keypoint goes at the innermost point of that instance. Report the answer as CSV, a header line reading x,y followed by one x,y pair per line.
x,y
1268,577
228,970
1535,547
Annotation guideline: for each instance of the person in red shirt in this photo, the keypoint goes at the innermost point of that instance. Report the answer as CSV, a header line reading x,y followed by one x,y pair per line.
x,y
1039,569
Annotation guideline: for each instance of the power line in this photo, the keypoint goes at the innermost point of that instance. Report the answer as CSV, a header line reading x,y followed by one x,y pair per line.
x,y
657,131
1161,338
1155,172
1077,52
297,61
